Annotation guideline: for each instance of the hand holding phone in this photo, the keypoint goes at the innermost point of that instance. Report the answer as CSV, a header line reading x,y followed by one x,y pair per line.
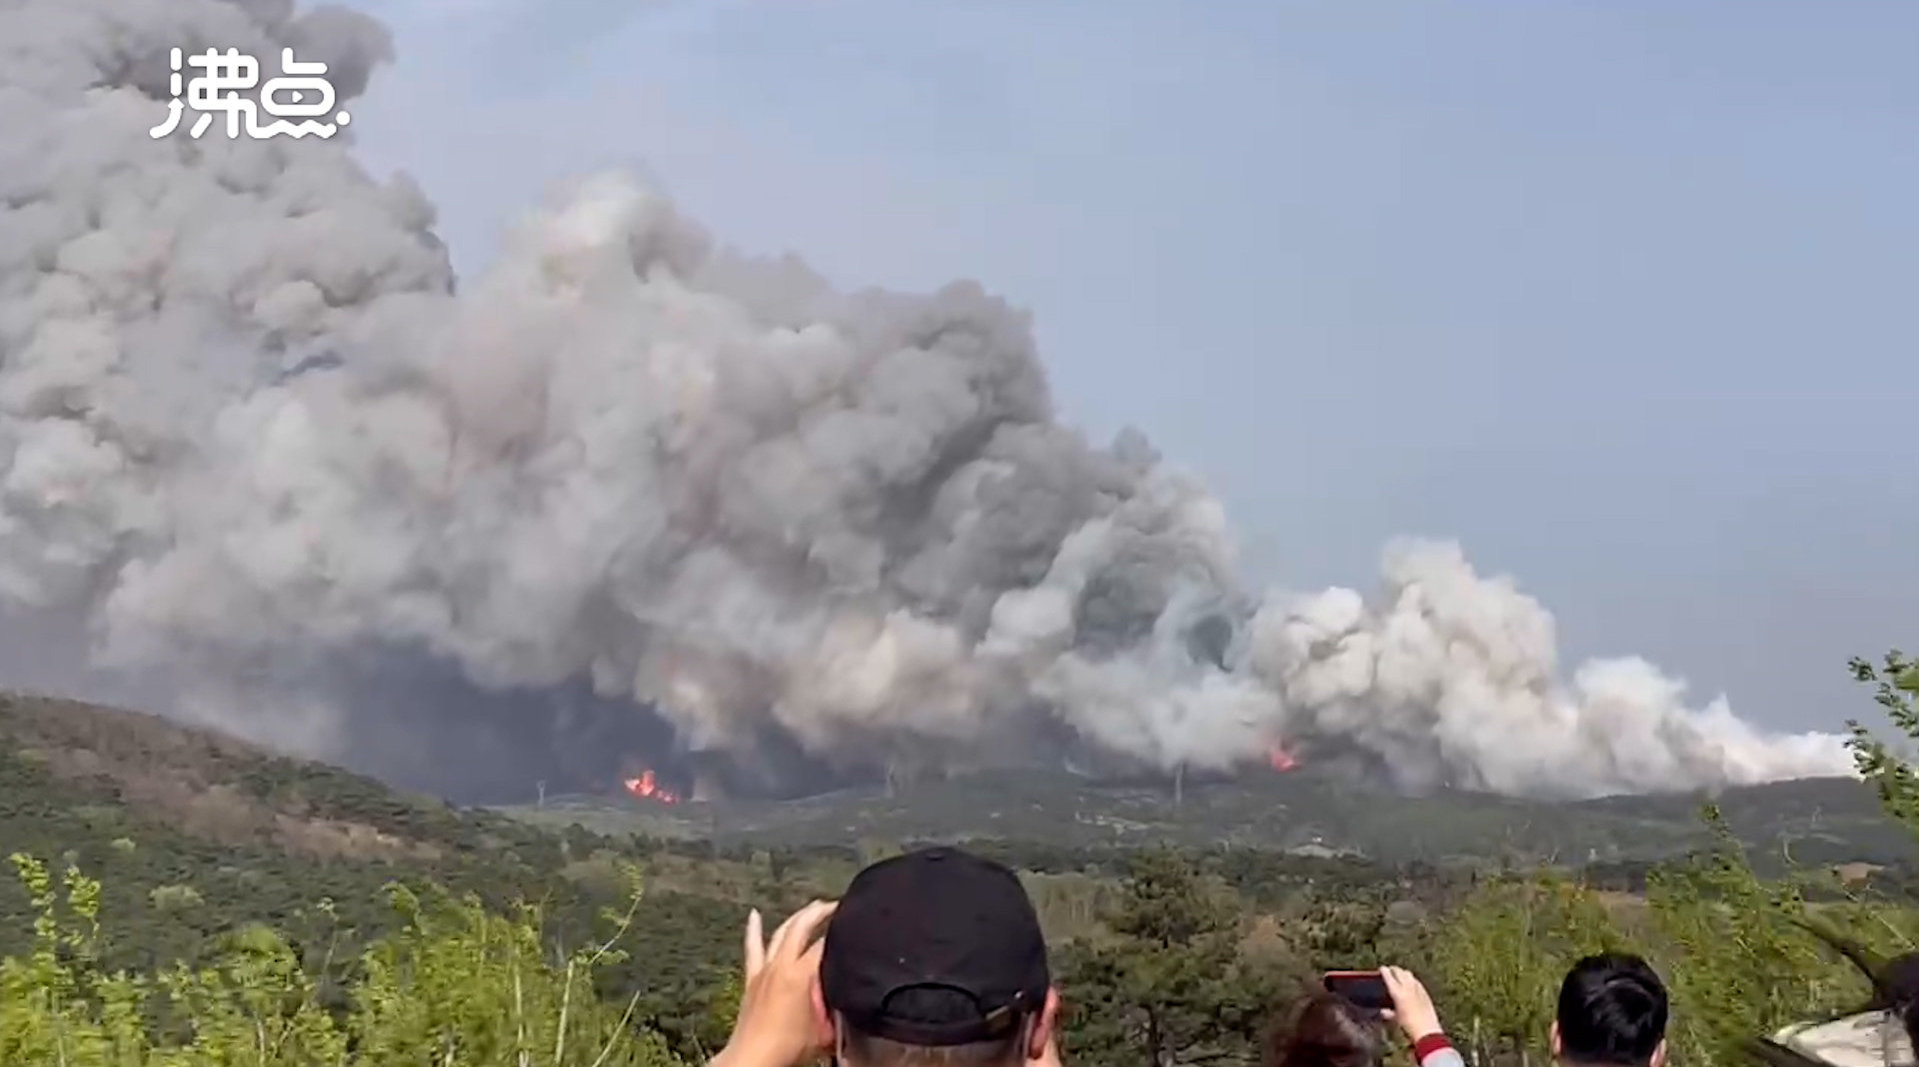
x,y
1364,988
1413,1007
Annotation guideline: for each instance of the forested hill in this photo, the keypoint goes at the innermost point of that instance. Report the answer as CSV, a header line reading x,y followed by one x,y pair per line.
x,y
195,836
1819,821
100,767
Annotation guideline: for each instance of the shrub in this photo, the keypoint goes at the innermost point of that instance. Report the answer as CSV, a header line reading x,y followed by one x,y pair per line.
x,y
456,985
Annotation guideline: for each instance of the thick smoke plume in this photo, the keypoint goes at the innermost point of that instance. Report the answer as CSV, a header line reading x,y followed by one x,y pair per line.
x,y
252,435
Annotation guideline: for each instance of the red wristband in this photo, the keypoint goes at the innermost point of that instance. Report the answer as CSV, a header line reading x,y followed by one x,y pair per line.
x,y
1430,1044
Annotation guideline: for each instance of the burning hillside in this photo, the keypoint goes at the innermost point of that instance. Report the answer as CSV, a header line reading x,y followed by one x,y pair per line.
x,y
646,787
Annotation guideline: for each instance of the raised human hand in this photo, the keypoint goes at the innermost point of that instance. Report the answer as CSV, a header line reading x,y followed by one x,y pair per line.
x,y
776,1026
1413,1011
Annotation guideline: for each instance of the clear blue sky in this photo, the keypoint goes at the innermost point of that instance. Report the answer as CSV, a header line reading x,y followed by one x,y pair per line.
x,y
1620,295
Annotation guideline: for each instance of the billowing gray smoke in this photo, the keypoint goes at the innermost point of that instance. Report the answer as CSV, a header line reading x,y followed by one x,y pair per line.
x,y
251,434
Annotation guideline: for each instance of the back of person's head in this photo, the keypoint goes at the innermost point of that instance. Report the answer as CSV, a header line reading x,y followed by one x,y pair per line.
x,y
1327,1031
936,958
1612,1013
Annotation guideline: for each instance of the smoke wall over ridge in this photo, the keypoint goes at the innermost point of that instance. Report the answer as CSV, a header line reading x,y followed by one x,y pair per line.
x,y
252,436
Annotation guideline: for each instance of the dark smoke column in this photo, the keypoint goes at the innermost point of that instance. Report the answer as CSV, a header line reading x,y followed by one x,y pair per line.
x,y
253,438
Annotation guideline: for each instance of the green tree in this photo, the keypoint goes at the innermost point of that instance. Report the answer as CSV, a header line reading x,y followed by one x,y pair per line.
x,y
1339,932
1170,985
1895,683
1740,957
1500,956
1737,959
456,985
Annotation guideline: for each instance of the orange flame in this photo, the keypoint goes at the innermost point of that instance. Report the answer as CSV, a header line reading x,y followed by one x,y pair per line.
x,y
647,787
1281,760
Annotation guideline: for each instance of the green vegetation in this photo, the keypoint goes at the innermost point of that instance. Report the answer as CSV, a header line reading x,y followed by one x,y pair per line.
x,y
455,984
1312,811
215,905
1735,947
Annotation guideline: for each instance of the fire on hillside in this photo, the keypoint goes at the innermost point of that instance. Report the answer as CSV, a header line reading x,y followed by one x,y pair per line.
x,y
647,787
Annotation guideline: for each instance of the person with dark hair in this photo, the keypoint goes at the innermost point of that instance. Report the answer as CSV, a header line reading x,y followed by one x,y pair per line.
x,y
1612,1013
1328,1030
932,959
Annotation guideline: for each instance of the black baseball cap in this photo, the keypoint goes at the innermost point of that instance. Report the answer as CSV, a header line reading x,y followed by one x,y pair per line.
x,y
935,948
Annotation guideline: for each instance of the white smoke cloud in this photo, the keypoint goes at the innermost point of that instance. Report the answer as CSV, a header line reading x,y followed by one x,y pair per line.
x,y
245,419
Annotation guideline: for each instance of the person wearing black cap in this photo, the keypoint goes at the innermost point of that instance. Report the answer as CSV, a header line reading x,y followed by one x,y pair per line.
x,y
937,955
932,957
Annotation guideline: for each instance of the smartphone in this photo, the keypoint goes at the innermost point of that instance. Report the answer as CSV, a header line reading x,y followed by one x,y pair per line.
x,y
1364,988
